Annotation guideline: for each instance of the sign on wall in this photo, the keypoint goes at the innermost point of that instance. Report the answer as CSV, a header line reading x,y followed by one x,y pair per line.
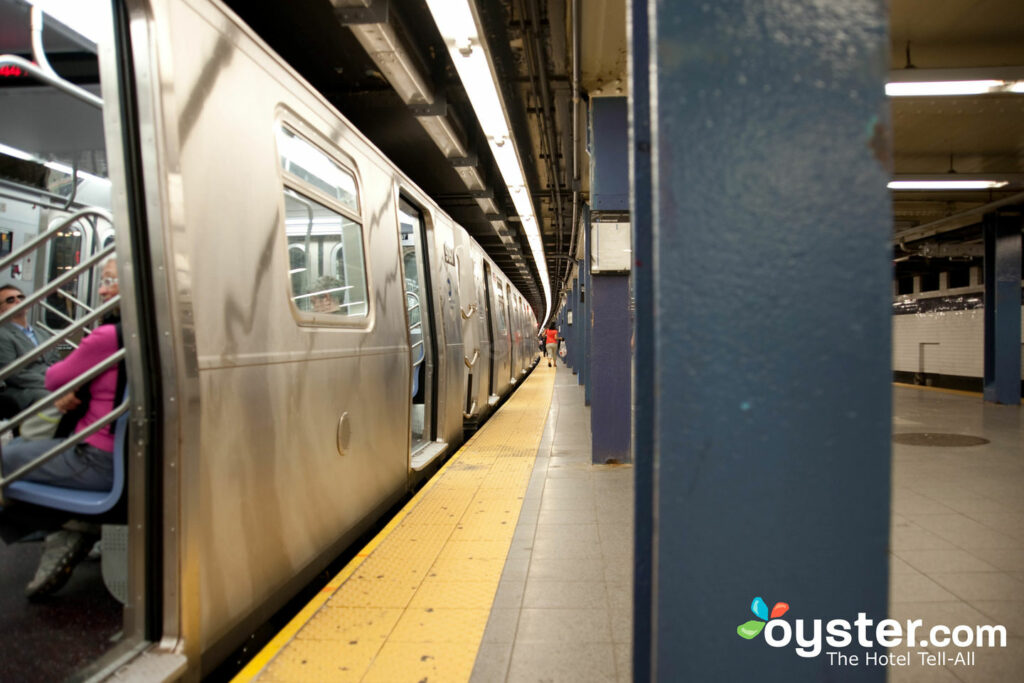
x,y
610,249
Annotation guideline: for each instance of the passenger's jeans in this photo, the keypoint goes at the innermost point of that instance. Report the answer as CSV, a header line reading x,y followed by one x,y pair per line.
x,y
552,351
82,467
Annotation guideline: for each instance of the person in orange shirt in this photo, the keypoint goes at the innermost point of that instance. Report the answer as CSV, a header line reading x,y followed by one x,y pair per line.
x,y
551,341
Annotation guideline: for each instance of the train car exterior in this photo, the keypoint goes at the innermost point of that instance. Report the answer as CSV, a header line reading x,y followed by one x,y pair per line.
x,y
307,332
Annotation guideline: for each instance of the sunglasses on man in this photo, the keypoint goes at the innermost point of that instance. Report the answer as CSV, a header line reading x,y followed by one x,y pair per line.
x,y
14,298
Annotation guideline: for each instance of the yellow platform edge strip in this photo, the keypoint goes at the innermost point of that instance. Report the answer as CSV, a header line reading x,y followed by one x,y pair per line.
x,y
278,643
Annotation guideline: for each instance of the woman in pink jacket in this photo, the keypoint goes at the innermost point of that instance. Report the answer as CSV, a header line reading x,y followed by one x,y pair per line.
x,y
88,465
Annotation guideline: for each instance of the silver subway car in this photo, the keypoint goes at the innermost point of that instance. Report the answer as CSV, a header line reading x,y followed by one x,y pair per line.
x,y
307,334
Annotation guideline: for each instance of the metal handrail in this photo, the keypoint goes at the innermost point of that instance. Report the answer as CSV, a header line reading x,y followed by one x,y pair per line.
x,y
38,195
87,376
56,283
470,363
55,81
57,338
74,300
71,441
56,311
45,237
49,330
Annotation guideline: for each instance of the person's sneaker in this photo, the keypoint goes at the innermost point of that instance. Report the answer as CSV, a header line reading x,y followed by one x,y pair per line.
x,y
62,551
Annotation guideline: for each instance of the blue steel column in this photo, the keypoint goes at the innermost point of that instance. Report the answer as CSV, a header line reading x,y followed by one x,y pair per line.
x,y
572,342
643,339
1002,309
588,307
772,277
611,329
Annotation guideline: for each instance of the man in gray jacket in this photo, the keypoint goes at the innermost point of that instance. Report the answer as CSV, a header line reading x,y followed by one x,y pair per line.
x,y
17,338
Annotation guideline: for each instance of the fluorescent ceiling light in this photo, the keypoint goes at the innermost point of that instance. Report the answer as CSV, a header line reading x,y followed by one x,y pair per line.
x,y
946,184
914,82
458,28
933,88
16,153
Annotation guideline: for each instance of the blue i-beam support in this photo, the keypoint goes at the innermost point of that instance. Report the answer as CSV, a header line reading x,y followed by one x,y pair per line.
x,y
771,229
644,360
1002,309
609,318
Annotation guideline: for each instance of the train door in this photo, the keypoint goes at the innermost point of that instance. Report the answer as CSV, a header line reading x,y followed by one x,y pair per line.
x,y
513,332
70,245
491,361
63,152
419,318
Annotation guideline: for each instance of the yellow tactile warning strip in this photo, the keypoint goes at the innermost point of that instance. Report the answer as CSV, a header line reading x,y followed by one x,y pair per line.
x,y
413,604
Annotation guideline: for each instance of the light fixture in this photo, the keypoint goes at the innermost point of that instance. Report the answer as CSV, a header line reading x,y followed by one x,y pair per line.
x,y
915,82
458,27
939,88
947,184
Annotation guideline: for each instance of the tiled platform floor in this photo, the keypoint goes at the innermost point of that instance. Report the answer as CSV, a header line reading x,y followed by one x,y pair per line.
x,y
563,607
958,529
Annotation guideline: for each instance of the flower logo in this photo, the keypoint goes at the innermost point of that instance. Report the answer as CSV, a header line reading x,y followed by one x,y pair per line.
x,y
753,627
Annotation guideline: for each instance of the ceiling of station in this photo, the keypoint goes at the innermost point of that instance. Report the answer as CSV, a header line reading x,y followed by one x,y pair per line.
x,y
531,47
980,134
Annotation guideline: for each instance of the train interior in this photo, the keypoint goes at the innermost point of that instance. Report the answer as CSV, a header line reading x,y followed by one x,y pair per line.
x,y
55,200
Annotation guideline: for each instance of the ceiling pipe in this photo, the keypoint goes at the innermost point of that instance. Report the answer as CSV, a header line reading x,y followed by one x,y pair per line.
x,y
575,21
956,221
554,168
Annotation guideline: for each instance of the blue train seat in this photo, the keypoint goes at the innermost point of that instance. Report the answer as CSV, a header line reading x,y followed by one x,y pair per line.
x,y
76,500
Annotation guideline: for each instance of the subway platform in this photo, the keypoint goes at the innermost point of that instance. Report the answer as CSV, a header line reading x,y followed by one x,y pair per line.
x,y
515,562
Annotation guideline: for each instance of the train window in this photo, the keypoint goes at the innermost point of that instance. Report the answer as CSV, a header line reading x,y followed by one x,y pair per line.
x,y
310,164
325,259
929,282
501,307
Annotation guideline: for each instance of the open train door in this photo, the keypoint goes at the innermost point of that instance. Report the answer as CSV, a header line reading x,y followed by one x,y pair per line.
x,y
423,446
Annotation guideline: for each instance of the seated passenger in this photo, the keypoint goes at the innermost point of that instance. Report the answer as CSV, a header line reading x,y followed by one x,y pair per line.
x,y
89,465
328,296
17,338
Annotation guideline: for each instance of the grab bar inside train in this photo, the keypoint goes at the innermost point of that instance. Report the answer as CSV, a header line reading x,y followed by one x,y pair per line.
x,y
42,70
79,317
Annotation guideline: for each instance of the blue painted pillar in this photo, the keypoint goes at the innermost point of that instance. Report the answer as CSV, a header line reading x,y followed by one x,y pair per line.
x,y
611,329
587,305
572,342
1002,309
772,415
644,361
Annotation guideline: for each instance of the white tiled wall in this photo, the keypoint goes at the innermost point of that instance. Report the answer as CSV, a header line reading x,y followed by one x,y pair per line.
x,y
953,342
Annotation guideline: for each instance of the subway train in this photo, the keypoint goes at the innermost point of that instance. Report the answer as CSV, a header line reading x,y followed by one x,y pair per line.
x,y
307,334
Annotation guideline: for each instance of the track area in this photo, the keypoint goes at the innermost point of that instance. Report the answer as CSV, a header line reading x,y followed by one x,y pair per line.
x,y
414,602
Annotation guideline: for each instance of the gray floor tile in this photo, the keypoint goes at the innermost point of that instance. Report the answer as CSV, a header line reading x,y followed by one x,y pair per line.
x,y
972,586
543,594
928,561
562,663
566,517
492,662
568,547
501,625
584,532
566,569
510,593
916,587
563,625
